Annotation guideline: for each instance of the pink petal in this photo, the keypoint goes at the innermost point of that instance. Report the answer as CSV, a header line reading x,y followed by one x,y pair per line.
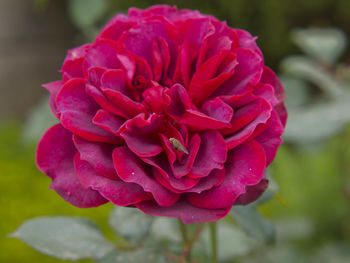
x,y
218,110
114,80
215,178
194,30
247,41
139,39
116,191
269,77
246,114
245,166
53,88
54,157
103,53
77,111
212,154
98,155
211,75
270,139
211,46
253,192
180,101
131,169
183,210
108,121
157,98
140,135
94,75
161,59
197,121
105,103
247,73
243,134
125,104
78,52
163,174
188,160
116,27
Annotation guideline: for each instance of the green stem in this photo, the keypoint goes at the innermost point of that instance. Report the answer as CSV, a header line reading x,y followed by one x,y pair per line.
x,y
213,238
184,235
183,231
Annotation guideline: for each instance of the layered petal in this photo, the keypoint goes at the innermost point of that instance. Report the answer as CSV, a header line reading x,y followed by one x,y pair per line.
x,y
132,170
54,157
116,191
245,166
77,110
183,210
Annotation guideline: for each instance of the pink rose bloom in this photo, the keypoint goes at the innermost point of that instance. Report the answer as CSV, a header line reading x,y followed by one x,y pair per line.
x,y
169,111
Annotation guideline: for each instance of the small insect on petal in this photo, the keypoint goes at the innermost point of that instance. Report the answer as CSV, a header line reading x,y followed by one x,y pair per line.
x,y
177,145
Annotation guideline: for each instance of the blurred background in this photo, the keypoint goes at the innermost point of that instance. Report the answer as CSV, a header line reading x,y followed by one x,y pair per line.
x,y
305,42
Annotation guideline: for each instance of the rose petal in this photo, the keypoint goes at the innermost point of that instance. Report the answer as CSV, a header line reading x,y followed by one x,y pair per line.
x,y
94,76
139,39
211,75
243,134
77,110
140,135
180,101
163,174
54,157
53,88
218,110
131,169
103,53
247,41
248,72
105,103
108,121
114,80
183,210
270,139
116,27
98,155
253,192
212,154
215,178
116,191
269,77
245,166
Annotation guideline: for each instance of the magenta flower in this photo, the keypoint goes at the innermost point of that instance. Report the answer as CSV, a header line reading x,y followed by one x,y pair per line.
x,y
169,111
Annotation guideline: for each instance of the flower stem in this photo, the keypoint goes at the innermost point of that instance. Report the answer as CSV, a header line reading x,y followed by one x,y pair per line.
x,y
184,235
183,231
213,239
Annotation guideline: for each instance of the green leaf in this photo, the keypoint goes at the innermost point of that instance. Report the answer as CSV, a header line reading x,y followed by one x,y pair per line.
x,y
307,69
85,13
233,242
252,222
64,237
131,223
294,228
142,255
165,228
318,122
326,45
297,91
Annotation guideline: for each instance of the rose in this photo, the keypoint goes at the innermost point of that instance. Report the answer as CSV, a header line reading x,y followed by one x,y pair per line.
x,y
169,111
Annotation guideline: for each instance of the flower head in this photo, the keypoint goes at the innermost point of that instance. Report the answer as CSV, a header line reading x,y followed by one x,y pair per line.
x,y
170,111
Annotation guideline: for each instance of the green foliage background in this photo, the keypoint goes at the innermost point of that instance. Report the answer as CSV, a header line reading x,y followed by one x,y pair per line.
x,y
314,184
